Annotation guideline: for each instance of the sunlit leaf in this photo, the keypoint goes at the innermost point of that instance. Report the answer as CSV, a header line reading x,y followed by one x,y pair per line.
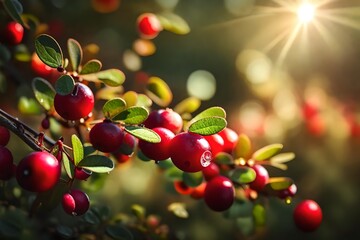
x,y
224,158
64,85
143,133
173,173
130,98
279,166
118,232
276,184
44,92
68,166
132,115
259,214
111,77
208,125
22,53
78,149
243,175
75,53
178,209
92,66
165,164
14,9
97,164
188,105
193,179
173,23
242,147
282,158
107,93
267,152
29,106
143,100
209,112
49,51
159,91
139,211
113,107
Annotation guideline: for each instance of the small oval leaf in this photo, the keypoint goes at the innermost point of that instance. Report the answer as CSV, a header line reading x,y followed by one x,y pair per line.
x,y
44,92
178,209
267,152
173,23
49,51
139,211
243,175
14,9
97,163
208,125
132,115
64,85
224,158
75,53
283,158
158,91
69,167
130,98
173,173
143,133
242,147
188,105
209,112
78,149
113,107
193,179
276,184
118,232
107,93
92,66
111,77
259,214
29,106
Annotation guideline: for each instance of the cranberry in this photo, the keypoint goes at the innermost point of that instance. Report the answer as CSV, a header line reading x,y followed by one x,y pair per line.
x,y
76,202
261,179
6,163
75,105
166,118
307,215
38,172
199,191
14,33
128,144
211,171
122,158
182,188
190,152
230,138
82,174
216,143
45,123
219,193
148,25
106,136
4,136
41,69
158,151
288,192
105,6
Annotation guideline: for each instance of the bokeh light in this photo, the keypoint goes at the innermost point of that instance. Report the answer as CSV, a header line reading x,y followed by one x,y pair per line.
x,y
131,60
201,84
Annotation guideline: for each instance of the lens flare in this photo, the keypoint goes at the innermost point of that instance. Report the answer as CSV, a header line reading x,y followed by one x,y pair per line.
x,y
306,13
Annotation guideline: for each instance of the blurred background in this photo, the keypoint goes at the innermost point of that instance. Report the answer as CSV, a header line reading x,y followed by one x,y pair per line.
x,y
283,73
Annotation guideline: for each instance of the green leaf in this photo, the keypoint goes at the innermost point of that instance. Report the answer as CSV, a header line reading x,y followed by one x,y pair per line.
x,y
276,184
14,9
78,149
259,214
165,164
193,179
29,106
188,105
159,91
282,158
97,164
208,125
132,115
143,101
92,217
242,147
267,152
239,209
173,173
64,231
118,232
143,133
130,98
246,224
75,53
5,54
44,92
113,107
92,66
111,77
224,158
173,23
209,112
141,156
243,175
68,166
138,211
64,85
49,51
178,209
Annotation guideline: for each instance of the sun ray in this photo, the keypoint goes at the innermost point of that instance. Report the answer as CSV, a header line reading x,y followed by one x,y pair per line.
x,y
288,44
324,33
341,20
275,41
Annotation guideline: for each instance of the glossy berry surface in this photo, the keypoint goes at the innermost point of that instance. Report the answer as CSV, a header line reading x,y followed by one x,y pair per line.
x,y
76,202
106,136
288,192
261,179
6,163
230,138
219,193
198,192
38,172
148,25
190,152
81,173
128,144
158,151
307,215
166,118
216,143
211,171
14,33
4,136
182,188
75,105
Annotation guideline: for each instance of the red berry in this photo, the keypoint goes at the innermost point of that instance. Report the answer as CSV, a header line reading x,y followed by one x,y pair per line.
x,y
43,70
14,33
75,105
230,138
128,144
148,25
211,171
198,192
158,151
166,118
106,136
6,164
38,172
288,192
105,6
82,174
261,179
219,193
76,202
307,215
121,158
190,152
4,136
182,188
216,143
45,123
